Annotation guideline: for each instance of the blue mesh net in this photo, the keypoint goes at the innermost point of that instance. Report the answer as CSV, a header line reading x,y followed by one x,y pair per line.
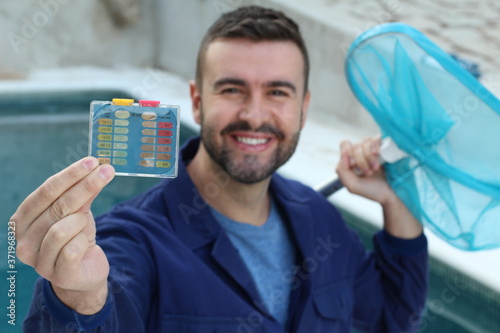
x,y
447,122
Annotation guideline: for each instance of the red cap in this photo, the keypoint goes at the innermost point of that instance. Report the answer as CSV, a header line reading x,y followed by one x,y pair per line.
x,y
149,103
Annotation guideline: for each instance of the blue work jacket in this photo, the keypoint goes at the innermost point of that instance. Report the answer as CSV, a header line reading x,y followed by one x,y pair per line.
x,y
174,270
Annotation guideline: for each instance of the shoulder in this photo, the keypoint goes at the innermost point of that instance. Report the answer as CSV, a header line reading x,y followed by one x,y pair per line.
x,y
292,193
295,191
316,218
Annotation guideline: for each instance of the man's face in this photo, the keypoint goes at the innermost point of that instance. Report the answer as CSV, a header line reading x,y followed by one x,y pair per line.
x,y
252,105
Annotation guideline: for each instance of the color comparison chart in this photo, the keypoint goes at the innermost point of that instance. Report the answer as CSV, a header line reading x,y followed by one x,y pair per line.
x,y
138,139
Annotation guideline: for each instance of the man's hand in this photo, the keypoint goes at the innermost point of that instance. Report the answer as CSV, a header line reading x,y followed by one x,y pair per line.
x,y
360,171
56,232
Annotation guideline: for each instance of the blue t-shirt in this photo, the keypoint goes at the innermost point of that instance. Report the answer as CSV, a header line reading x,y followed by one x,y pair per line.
x,y
269,255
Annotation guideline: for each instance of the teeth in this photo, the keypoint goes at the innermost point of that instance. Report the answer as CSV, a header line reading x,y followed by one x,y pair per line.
x,y
251,141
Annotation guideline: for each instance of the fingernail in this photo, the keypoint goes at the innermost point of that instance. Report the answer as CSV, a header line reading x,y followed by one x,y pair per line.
x,y
90,163
106,172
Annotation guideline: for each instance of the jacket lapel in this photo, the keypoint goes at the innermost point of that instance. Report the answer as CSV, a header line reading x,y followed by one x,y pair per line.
x,y
297,212
195,225
228,258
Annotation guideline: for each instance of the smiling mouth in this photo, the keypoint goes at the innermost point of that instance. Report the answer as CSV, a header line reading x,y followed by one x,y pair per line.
x,y
252,141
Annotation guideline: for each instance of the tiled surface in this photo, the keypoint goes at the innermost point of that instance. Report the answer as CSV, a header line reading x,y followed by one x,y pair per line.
x,y
468,28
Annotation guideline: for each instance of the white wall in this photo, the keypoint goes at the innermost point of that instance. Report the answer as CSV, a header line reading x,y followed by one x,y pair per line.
x,y
56,33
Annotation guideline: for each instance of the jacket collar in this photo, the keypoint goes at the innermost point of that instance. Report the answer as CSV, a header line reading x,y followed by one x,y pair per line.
x,y
194,224
189,214
193,221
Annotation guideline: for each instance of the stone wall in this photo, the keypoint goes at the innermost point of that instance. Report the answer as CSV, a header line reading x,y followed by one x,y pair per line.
x,y
56,33
467,28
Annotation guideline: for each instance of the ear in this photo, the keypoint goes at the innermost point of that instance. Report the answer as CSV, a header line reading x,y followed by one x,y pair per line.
x,y
305,107
195,101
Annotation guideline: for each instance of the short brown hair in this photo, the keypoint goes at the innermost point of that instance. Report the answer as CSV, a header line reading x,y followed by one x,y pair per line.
x,y
257,24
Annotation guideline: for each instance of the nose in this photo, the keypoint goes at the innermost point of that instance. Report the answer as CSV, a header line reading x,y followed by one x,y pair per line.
x,y
255,111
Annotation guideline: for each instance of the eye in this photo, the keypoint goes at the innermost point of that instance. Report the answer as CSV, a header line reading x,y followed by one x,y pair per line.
x,y
278,92
230,91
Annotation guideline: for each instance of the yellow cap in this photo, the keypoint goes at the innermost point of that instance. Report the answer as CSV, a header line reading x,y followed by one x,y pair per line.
x,y
122,101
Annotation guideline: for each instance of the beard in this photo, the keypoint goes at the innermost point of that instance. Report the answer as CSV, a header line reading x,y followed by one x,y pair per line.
x,y
250,169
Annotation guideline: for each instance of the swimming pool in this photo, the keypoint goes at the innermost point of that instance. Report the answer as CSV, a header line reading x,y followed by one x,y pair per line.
x,y
43,133
456,303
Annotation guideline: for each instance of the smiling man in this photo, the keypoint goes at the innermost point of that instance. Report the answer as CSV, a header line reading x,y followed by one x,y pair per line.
x,y
251,101
229,245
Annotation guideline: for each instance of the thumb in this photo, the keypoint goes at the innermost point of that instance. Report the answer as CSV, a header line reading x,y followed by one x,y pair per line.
x,y
86,206
90,229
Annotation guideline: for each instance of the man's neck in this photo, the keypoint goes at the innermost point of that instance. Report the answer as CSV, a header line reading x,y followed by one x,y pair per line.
x,y
248,203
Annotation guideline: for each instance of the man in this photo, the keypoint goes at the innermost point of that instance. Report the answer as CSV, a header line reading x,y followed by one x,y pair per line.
x,y
229,245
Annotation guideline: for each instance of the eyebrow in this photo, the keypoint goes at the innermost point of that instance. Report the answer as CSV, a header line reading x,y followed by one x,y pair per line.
x,y
228,80
277,84
239,82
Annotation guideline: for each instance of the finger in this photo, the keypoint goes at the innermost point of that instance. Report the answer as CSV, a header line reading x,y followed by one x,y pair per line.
x,y
90,229
370,151
56,238
77,196
68,266
73,200
38,201
346,173
81,261
86,206
361,161
346,147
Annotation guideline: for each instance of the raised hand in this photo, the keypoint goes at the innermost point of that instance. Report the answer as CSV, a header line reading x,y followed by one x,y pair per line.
x,y
55,233
360,171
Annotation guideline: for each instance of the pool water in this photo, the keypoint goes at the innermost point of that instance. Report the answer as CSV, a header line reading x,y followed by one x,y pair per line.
x,y
40,135
455,302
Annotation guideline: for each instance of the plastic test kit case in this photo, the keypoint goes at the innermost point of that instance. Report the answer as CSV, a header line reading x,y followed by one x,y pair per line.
x,y
138,139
